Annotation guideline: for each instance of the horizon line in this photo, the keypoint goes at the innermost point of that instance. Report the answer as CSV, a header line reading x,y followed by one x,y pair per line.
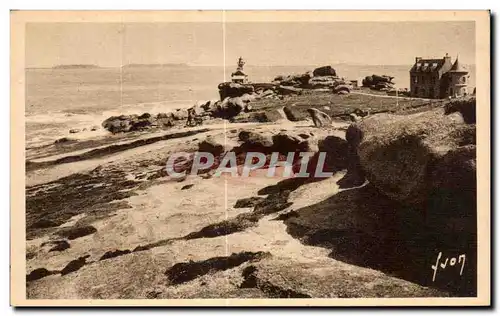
x,y
138,65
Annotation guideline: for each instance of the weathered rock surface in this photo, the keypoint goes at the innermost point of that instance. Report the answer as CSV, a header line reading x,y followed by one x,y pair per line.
x,y
59,245
294,80
76,232
363,227
324,71
283,278
466,107
75,265
231,90
342,89
319,118
248,202
323,82
180,114
424,164
378,82
64,140
268,116
255,142
212,145
127,123
399,154
286,142
285,90
229,107
294,115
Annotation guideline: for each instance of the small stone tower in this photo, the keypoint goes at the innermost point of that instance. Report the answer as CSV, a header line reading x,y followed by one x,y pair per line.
x,y
459,79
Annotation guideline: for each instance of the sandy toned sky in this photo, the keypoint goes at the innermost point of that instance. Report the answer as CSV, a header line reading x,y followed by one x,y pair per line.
x,y
301,43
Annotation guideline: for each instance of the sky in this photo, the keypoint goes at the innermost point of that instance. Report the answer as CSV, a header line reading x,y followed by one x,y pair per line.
x,y
260,43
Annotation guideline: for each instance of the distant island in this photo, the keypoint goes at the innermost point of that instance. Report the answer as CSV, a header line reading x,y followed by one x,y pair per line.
x,y
76,66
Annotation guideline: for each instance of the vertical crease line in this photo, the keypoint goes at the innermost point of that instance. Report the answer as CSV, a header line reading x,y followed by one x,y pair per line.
x,y
225,122
122,31
225,128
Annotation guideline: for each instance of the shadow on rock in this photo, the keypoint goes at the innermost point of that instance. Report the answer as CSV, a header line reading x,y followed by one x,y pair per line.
x,y
364,228
187,271
290,184
271,204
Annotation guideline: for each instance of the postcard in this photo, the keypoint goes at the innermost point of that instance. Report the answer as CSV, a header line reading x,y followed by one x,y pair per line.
x,y
250,158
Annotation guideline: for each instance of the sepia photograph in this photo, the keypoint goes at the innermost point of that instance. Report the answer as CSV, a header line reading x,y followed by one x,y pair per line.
x,y
250,158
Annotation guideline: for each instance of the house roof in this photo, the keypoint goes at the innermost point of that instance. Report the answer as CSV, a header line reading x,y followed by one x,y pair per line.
x,y
458,67
427,65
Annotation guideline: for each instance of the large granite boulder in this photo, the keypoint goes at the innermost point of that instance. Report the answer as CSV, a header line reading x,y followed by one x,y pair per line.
x,y
231,90
319,118
211,145
335,150
229,108
254,142
128,123
294,115
287,142
294,80
342,89
412,157
378,82
268,116
117,124
418,206
180,114
324,71
465,106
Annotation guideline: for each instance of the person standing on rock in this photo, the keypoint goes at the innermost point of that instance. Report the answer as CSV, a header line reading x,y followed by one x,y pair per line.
x,y
190,117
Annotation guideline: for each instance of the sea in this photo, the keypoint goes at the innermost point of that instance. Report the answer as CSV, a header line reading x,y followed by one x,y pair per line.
x,y
60,99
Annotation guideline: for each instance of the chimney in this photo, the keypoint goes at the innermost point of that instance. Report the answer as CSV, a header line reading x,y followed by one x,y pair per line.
x,y
417,59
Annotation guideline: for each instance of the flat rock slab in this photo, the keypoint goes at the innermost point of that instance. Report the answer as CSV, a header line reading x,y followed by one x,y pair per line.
x,y
284,278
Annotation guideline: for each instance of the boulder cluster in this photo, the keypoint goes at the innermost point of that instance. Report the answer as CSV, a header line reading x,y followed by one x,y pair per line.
x,y
284,143
235,99
376,82
134,122
320,78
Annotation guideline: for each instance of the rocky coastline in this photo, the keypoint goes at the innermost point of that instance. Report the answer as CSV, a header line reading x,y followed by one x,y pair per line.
x,y
105,220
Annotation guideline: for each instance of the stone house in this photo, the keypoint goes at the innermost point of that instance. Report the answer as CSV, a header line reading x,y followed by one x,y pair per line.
x,y
438,78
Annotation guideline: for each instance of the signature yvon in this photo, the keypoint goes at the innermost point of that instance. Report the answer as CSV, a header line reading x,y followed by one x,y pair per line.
x,y
449,261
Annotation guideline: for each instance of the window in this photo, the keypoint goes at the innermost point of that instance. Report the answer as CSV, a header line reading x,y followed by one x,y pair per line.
x,y
463,79
434,64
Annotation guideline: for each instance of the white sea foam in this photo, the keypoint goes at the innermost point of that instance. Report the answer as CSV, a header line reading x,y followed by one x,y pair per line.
x,y
45,128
